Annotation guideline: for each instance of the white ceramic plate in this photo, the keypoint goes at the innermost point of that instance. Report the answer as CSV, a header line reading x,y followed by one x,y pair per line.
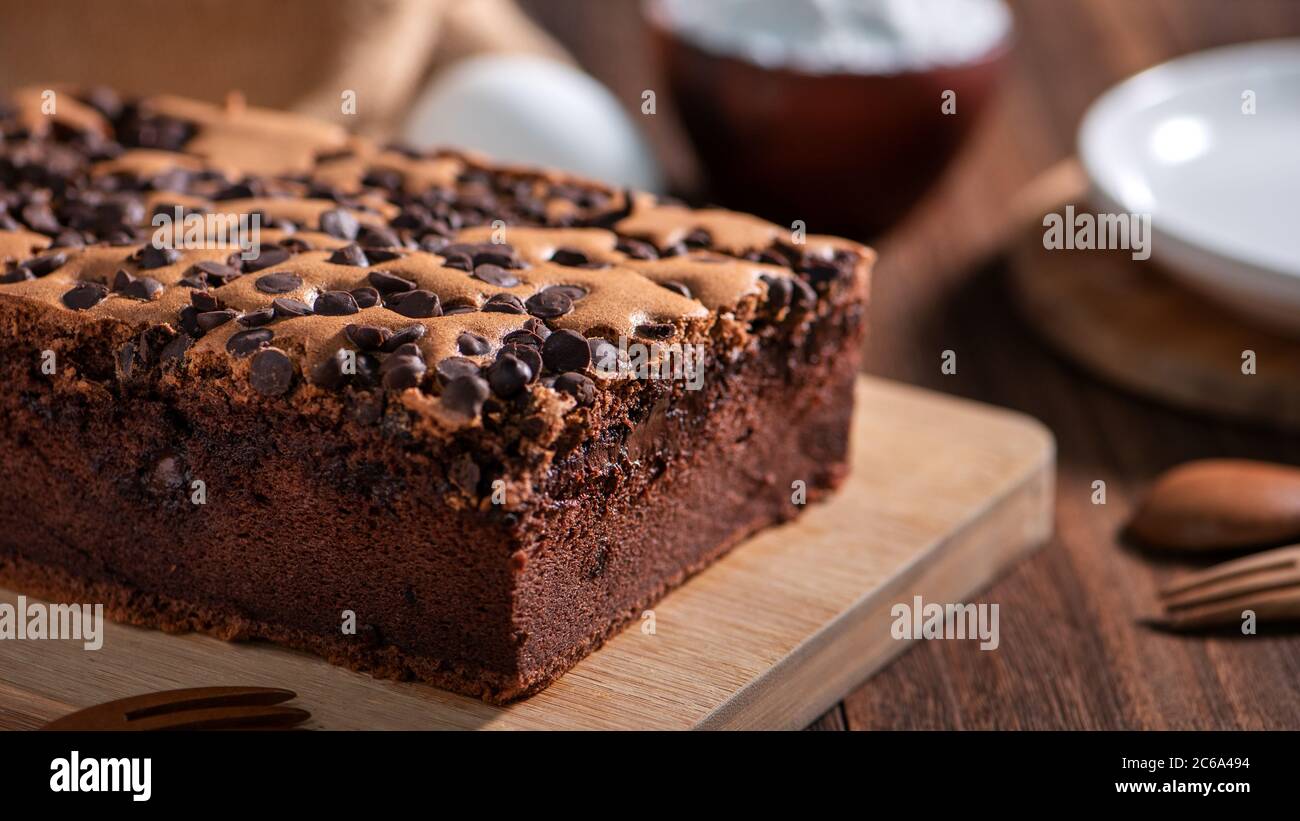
x,y
1222,186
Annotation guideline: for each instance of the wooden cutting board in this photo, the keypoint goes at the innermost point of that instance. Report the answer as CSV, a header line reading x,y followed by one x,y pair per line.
x,y
944,494
1136,327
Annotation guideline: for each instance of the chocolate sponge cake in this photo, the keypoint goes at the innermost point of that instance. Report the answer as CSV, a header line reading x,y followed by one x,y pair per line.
x,y
423,415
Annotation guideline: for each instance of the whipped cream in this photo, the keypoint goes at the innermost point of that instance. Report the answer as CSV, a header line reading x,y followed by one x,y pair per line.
x,y
831,36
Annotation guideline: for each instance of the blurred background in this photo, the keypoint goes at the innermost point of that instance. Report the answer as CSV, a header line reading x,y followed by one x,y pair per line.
x,y
836,113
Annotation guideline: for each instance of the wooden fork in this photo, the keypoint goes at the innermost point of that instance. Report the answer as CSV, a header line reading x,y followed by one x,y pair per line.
x,y
197,708
1267,583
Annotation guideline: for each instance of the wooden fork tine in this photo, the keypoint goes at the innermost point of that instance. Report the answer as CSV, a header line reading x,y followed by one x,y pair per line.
x,y
1233,586
1268,560
117,715
1273,605
224,718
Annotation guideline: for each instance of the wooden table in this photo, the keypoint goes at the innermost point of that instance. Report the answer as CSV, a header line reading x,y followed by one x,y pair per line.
x,y
1072,654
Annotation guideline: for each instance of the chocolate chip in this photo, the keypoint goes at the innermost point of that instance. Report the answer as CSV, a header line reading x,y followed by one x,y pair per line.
x,y
472,344
677,288
214,319
43,265
530,356
523,336
465,395
779,291
40,217
699,238
462,262
504,304
656,330
387,283
508,376
537,327
151,256
573,292
335,303
214,272
604,356
85,295
69,239
175,350
266,257
417,304
255,319
188,318
452,310
549,304
374,237
368,337
205,301
281,282
495,275
285,308
566,351
245,343
380,255
455,367
637,249
339,222
366,297
407,349
804,296
271,372
569,256
296,245
403,371
496,254
405,336
331,374
367,374
17,274
350,254
577,385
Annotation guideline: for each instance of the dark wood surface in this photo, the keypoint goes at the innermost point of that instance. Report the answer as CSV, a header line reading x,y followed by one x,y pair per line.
x,y
1072,654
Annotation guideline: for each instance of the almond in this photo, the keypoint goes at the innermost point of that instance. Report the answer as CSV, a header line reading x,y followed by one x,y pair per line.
x,y
1214,504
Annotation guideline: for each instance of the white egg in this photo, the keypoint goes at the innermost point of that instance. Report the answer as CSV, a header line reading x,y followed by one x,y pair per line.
x,y
534,111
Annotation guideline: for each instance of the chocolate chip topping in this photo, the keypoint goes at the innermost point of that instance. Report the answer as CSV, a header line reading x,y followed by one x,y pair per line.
x,y
336,303
214,319
387,283
282,282
471,344
417,304
350,254
566,351
152,256
495,275
527,354
604,355
504,304
508,376
406,336
246,343
213,273
266,257
677,288
271,372
549,304
367,337
656,330
339,222
286,308
465,396
366,297
85,295
254,319
577,385
455,367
